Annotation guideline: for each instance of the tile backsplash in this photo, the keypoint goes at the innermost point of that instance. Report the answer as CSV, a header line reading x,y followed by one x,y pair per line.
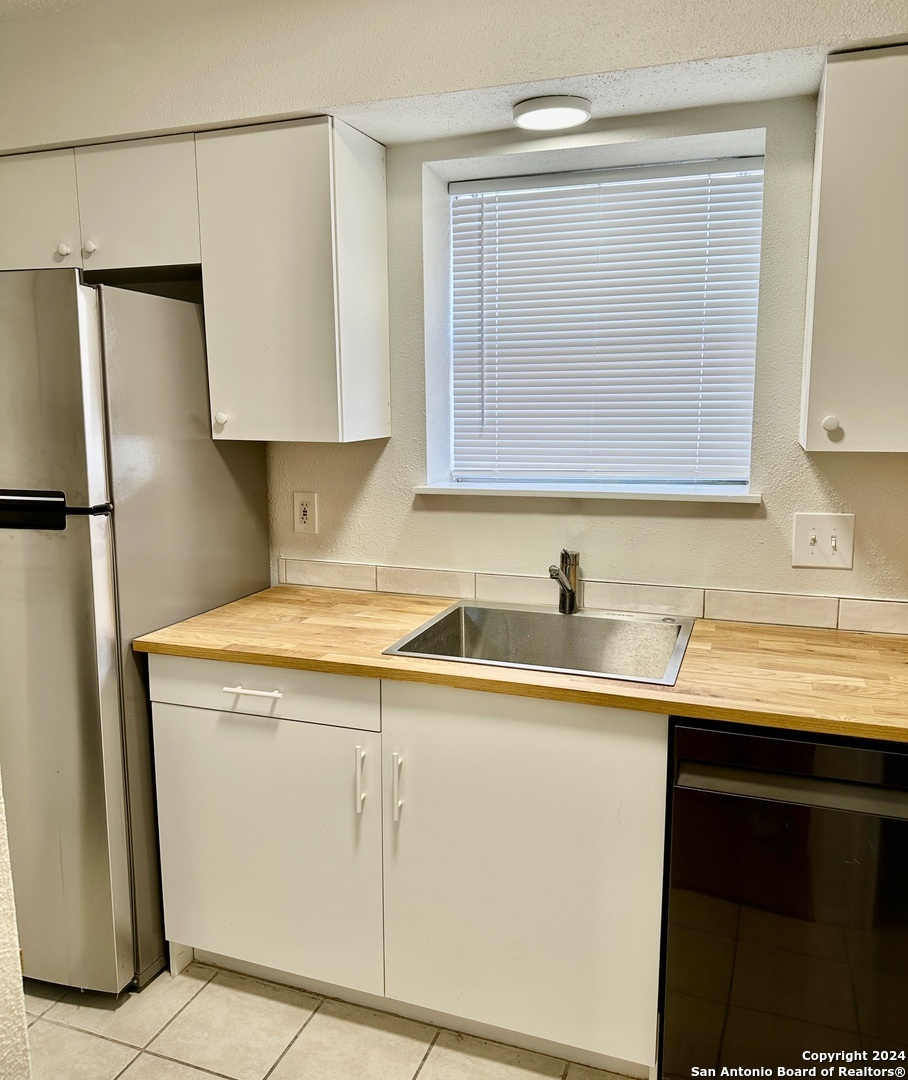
x,y
781,609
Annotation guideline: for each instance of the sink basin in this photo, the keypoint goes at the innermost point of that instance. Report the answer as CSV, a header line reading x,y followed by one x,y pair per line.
x,y
610,644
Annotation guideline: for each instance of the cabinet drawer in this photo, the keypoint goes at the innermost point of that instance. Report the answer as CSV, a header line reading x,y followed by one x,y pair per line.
x,y
311,696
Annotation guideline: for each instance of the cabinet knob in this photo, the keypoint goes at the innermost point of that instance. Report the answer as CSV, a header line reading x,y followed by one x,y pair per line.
x,y
89,246
831,423
64,249
221,418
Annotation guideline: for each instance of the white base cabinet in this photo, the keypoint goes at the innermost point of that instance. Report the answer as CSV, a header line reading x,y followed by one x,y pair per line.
x,y
523,863
268,852
506,865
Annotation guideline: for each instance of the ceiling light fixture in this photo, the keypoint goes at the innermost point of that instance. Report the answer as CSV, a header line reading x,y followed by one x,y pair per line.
x,y
552,113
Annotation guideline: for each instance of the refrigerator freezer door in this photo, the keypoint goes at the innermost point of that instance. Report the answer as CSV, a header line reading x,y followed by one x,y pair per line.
x,y
61,754
51,406
190,525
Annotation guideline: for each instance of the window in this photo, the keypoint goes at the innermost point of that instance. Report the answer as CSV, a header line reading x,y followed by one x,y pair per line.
x,y
603,328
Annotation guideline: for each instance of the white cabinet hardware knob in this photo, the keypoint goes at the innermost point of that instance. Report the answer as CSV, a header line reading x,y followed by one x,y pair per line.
x,y
89,247
221,418
831,423
64,249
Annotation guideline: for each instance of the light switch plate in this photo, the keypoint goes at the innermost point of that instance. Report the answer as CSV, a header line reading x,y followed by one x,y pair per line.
x,y
823,540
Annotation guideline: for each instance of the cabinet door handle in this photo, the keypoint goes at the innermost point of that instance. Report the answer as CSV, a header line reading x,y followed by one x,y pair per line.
x,y
89,247
252,693
396,801
358,772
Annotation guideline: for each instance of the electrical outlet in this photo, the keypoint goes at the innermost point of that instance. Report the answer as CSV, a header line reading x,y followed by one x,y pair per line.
x,y
823,540
305,512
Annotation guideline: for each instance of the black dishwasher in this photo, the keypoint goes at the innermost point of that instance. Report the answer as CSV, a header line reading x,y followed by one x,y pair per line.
x,y
787,904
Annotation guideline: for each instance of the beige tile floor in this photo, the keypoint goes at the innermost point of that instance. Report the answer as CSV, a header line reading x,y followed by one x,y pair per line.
x,y
207,1022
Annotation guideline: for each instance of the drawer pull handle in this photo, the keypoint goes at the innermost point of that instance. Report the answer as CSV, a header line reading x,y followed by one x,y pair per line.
x,y
252,693
396,801
358,772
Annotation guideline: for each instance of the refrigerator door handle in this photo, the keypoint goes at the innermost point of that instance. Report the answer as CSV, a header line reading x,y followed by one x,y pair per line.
x,y
42,510
32,510
94,511
52,497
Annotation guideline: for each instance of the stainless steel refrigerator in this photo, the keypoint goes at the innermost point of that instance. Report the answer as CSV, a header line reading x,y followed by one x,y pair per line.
x,y
118,515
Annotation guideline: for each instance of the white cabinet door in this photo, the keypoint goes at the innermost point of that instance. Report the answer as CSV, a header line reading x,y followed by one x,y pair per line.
x,y
138,202
264,856
294,270
856,374
39,214
523,877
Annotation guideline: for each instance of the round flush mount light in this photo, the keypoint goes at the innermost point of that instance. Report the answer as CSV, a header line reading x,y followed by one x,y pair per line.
x,y
552,113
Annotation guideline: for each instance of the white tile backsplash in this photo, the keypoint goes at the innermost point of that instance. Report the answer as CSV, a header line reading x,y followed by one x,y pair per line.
x,y
516,589
660,599
877,616
783,609
328,575
402,579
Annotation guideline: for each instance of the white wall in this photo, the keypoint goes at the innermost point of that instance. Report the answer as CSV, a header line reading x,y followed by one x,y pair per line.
x,y
112,67
14,1063
116,67
368,513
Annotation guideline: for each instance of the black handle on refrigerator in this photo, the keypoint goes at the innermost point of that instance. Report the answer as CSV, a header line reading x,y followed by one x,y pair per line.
x,y
40,509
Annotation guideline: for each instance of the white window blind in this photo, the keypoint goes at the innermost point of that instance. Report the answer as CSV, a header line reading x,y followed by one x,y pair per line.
x,y
604,325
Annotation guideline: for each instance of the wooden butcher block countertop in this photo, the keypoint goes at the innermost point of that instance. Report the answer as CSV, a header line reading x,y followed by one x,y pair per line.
x,y
829,681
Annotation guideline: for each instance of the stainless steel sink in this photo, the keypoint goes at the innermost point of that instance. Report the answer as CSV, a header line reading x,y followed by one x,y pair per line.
x,y
610,644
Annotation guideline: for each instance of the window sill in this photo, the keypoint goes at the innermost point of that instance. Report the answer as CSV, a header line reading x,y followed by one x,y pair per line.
x,y
703,494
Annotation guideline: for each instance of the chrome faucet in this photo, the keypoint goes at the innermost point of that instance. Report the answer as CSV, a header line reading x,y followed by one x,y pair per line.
x,y
566,576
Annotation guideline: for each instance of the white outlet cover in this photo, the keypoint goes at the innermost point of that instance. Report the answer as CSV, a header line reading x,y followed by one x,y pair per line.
x,y
305,512
823,541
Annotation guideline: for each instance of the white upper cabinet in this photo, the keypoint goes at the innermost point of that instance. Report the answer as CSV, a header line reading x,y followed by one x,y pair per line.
x,y
294,269
138,203
39,213
856,364
110,206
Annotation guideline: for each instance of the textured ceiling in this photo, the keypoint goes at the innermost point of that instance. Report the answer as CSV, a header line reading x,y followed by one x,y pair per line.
x,y
789,73
26,9
634,91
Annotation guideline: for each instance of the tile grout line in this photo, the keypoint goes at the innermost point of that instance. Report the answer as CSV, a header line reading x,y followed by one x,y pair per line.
x,y
207,982
122,1042
93,1034
187,1065
567,1069
425,1056
286,1049
129,1064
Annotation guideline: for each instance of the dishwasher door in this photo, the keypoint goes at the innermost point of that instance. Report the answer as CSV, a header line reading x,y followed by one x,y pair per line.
x,y
787,926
